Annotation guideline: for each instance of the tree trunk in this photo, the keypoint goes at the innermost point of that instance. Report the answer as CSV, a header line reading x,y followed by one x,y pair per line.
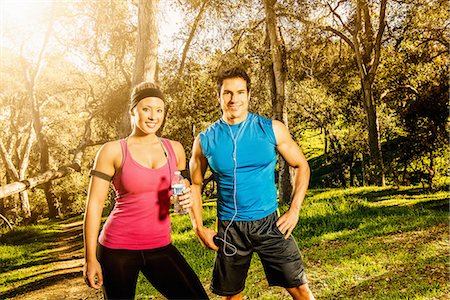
x,y
278,103
145,69
431,171
19,175
44,155
31,76
373,132
24,200
146,63
25,205
325,144
363,169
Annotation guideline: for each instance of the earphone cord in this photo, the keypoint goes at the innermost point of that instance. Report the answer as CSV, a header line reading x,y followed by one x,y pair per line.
x,y
167,157
224,240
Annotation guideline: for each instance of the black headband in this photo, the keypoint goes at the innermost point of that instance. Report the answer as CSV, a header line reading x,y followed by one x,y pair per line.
x,y
145,93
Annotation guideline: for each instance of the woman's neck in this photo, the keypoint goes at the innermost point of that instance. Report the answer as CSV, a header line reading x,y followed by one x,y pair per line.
x,y
143,138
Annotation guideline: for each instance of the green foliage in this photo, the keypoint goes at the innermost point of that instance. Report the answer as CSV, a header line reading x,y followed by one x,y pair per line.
x,y
88,74
368,243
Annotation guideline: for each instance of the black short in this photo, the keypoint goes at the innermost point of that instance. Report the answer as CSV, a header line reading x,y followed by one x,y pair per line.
x,y
165,268
280,257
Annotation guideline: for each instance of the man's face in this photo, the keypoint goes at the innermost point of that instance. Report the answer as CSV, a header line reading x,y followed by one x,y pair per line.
x,y
234,100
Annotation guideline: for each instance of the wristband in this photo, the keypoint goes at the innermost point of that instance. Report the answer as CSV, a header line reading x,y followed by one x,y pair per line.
x,y
186,174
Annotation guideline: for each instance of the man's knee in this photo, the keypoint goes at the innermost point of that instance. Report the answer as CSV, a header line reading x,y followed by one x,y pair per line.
x,y
301,292
233,297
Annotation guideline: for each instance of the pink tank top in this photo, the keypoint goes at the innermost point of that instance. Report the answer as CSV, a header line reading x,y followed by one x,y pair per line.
x,y
140,218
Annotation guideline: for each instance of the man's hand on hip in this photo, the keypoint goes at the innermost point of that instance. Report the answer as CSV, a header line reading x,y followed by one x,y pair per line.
x,y
287,222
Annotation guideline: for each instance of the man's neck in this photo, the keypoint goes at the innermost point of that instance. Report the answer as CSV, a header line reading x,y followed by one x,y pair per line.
x,y
234,121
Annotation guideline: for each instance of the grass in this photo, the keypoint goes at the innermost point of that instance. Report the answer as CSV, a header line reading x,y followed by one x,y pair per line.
x,y
358,243
33,257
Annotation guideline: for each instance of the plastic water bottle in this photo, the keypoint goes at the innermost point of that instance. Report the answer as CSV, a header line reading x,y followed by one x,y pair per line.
x,y
178,186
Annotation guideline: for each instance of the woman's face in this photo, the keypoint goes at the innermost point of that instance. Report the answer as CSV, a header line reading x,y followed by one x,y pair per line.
x,y
148,115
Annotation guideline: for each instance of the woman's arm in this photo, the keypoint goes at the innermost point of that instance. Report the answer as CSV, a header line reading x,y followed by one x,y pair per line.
x,y
97,193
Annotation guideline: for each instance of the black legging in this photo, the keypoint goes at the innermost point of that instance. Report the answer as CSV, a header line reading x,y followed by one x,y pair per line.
x,y
164,267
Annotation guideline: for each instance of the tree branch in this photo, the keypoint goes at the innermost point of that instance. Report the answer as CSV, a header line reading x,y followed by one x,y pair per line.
x,y
191,36
381,26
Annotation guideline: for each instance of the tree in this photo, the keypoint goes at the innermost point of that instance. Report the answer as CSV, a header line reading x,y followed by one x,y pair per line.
x,y
365,40
146,58
45,93
31,74
278,83
18,173
353,22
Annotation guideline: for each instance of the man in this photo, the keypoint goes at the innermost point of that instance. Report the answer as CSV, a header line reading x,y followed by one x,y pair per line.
x,y
240,148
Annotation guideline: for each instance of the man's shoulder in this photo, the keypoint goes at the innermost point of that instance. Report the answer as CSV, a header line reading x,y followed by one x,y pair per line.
x,y
264,126
260,118
211,128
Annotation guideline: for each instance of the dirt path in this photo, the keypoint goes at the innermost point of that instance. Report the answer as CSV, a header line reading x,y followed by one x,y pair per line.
x,y
64,269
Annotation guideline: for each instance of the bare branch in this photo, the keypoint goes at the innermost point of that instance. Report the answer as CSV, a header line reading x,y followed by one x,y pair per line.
x,y
191,36
11,169
339,34
243,31
381,26
333,11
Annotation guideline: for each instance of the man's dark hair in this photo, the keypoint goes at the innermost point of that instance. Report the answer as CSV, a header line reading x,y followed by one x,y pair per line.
x,y
234,72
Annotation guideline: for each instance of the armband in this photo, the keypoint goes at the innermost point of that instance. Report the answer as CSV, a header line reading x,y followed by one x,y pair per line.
x,y
100,175
186,174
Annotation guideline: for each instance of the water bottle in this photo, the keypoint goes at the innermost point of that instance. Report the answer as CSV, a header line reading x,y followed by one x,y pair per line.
x,y
178,186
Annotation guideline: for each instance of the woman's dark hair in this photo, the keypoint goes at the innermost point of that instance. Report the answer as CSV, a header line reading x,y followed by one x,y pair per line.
x,y
144,90
234,72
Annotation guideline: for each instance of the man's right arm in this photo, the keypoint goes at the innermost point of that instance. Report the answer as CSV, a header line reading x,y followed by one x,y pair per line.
x,y
197,166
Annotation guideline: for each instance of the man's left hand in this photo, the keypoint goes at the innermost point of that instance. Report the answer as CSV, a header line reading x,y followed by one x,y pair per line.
x,y
287,222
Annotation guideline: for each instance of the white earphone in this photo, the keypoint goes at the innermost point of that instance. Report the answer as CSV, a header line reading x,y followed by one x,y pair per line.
x,y
224,239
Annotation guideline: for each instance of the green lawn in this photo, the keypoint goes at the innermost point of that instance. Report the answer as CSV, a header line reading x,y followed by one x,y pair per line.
x,y
358,243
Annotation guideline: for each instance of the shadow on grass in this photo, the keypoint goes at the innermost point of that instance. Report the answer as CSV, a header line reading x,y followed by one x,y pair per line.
x,y
438,205
42,261
410,278
40,284
42,273
57,246
361,222
27,235
374,196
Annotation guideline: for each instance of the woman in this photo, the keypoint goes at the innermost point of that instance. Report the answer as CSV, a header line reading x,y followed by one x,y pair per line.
x,y
136,235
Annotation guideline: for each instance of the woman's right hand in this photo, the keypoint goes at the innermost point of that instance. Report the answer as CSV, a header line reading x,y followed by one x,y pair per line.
x,y
92,274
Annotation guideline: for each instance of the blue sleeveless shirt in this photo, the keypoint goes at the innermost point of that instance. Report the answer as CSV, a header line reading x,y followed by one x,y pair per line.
x,y
256,193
